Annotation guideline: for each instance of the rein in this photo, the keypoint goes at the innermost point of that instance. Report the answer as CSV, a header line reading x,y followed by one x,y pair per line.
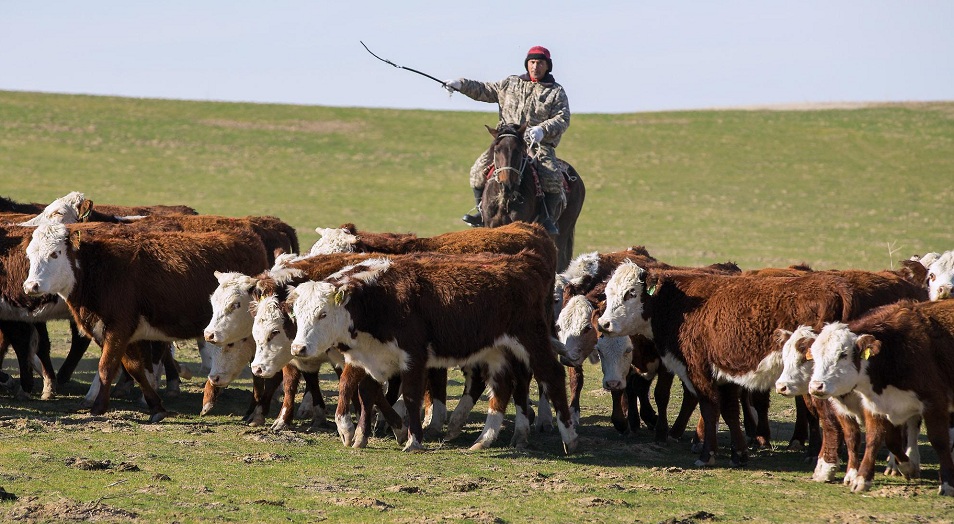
x,y
523,162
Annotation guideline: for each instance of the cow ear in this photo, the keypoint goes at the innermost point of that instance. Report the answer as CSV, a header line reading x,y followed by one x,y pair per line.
x,y
341,296
914,272
780,336
804,346
75,238
85,208
278,252
868,346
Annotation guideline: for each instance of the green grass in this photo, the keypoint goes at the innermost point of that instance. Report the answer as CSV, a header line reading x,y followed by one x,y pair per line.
x,y
856,188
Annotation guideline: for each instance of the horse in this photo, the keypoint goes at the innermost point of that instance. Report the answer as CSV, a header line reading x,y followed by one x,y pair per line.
x,y
512,192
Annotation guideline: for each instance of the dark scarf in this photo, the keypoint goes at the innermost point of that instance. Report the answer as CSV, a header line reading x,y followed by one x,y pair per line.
x,y
546,81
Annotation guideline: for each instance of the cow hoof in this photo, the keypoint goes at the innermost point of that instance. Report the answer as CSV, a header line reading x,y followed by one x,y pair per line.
x,y
705,463
360,440
206,408
185,373
279,425
157,417
796,445
739,461
48,393
432,434
172,389
909,470
860,485
413,446
946,490
697,446
401,435
824,471
256,421
850,476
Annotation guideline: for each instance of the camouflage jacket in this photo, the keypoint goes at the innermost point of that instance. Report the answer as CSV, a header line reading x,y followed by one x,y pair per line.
x,y
521,101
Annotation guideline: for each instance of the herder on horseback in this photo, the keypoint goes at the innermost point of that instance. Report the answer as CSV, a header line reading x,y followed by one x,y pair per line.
x,y
534,99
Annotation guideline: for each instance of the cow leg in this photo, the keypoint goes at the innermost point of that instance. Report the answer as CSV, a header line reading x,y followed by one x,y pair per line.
x,y
291,377
136,360
171,368
552,380
521,401
114,348
749,416
412,389
852,434
618,416
686,410
936,422
78,346
348,383
800,434
263,390
698,439
759,401
710,418
501,388
663,392
20,336
372,396
638,388
576,390
828,460
210,394
46,364
877,430
474,386
313,391
729,398
435,402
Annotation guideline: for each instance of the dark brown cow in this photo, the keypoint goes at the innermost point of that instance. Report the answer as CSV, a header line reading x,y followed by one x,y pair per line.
x,y
162,295
406,313
900,360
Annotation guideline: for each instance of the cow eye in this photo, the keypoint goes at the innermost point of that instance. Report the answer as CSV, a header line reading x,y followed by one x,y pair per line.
x,y
54,255
842,356
931,277
587,328
322,315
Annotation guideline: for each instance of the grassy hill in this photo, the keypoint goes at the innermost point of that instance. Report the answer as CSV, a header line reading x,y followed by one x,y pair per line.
x,y
834,188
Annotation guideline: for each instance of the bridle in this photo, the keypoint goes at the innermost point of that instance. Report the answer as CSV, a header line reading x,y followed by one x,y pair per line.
x,y
524,161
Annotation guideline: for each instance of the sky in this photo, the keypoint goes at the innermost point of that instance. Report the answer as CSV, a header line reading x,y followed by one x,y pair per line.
x,y
611,57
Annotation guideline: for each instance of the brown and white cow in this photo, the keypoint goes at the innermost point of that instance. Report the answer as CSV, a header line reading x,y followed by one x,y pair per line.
x,y
406,313
160,294
900,360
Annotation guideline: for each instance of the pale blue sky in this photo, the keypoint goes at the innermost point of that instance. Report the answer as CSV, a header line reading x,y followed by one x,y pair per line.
x,y
610,56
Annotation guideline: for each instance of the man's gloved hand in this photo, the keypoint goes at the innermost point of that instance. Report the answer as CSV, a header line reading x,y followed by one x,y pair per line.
x,y
534,135
452,85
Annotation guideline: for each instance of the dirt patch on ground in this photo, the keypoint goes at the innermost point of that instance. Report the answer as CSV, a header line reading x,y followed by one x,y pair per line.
x,y
31,510
300,126
362,502
472,515
263,457
695,518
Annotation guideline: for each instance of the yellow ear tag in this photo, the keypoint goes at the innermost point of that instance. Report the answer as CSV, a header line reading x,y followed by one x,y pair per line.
x,y
339,297
808,355
866,354
651,291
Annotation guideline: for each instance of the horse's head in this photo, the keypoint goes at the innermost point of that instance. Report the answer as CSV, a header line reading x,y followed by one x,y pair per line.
x,y
509,154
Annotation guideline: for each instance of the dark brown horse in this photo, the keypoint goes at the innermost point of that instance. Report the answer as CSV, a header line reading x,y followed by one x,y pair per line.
x,y
511,192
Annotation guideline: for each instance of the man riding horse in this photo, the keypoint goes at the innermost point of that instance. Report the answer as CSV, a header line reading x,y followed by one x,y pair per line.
x,y
534,99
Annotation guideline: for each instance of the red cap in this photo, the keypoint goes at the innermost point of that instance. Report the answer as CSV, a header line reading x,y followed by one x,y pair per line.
x,y
538,52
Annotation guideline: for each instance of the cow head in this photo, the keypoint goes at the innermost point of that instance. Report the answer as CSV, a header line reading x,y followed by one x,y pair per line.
x,y
272,341
839,357
940,277
51,252
797,361
323,321
231,320
68,209
575,329
335,240
625,302
616,359
229,360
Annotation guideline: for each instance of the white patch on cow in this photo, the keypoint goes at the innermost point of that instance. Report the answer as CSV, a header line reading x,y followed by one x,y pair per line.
x,y
51,272
544,420
93,392
367,272
762,378
679,369
897,404
834,372
796,369
229,361
434,417
230,318
55,309
345,429
926,259
381,360
521,429
569,436
849,405
616,360
850,476
458,418
272,346
333,240
824,471
491,430
940,278
146,331
494,358
585,265
63,210
624,303
575,330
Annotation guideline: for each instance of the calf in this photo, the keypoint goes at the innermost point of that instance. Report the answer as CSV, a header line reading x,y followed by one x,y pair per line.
x,y
940,278
408,313
628,385
900,360
166,278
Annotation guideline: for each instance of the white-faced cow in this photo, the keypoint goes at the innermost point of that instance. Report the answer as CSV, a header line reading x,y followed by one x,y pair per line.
x,y
407,313
161,295
900,360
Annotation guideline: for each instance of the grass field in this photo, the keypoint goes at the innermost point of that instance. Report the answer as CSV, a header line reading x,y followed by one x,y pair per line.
x,y
860,188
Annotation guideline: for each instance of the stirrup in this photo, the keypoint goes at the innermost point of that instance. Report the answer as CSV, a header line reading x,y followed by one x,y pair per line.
x,y
473,220
548,224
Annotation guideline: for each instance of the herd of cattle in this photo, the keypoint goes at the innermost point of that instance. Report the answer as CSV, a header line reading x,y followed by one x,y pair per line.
x,y
861,352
